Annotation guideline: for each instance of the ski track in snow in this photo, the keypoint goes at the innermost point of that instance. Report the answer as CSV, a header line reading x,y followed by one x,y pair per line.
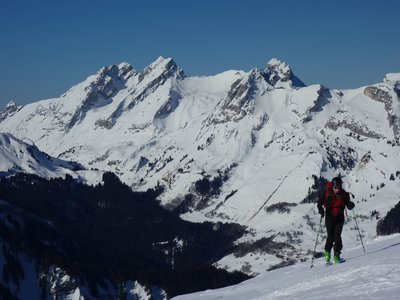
x,y
277,188
374,275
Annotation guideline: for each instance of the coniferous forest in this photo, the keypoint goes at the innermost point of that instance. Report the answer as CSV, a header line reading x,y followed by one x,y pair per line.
x,y
391,223
109,233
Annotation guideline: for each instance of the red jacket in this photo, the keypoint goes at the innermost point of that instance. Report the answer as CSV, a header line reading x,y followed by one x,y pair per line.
x,y
335,203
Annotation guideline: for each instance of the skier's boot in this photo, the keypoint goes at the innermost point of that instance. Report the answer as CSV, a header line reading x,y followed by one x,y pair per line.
x,y
327,255
337,259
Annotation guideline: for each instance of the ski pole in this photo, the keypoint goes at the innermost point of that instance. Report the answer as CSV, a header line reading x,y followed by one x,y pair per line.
x,y
359,233
316,241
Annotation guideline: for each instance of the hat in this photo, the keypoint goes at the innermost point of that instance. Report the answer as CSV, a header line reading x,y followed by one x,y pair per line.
x,y
337,182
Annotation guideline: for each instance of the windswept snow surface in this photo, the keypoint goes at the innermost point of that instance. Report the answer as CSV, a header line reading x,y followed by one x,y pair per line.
x,y
375,275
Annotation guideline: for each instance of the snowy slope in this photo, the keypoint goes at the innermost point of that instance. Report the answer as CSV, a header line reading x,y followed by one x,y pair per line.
x,y
375,275
262,137
18,156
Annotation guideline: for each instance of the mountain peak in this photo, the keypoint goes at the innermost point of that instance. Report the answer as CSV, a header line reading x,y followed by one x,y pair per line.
x,y
124,65
392,77
161,59
160,62
280,74
165,66
121,71
277,62
11,104
10,109
279,67
126,70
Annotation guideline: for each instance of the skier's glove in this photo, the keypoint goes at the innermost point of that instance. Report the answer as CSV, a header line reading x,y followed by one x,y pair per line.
x,y
351,205
321,212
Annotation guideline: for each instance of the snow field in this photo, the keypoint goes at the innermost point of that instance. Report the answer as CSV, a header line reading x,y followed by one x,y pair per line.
x,y
375,275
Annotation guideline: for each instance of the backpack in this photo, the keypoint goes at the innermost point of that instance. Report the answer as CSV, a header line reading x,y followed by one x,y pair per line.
x,y
328,189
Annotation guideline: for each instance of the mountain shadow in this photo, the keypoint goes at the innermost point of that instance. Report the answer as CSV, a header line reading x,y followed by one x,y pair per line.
x,y
109,233
390,224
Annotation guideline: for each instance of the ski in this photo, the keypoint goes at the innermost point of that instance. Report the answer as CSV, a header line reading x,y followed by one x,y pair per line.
x,y
342,260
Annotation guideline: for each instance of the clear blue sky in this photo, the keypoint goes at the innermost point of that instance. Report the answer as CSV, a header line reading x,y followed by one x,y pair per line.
x,y
48,46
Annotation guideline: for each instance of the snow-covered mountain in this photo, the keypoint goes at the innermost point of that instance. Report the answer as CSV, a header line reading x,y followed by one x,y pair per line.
x,y
245,147
375,275
17,156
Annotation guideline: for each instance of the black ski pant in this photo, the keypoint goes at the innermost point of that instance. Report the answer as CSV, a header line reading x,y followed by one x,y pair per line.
x,y
334,226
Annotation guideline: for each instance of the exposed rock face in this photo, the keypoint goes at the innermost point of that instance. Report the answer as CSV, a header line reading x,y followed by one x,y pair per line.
x,y
397,89
156,74
360,129
237,103
381,94
365,159
324,96
278,73
111,80
10,109
108,82
169,106
166,67
377,94
110,121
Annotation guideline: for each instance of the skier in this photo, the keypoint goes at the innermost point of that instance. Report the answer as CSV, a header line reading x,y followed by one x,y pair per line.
x,y
335,200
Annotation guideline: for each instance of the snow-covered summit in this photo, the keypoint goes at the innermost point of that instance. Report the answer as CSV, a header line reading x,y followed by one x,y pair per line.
x,y
281,69
11,105
10,109
165,66
279,74
392,77
121,71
